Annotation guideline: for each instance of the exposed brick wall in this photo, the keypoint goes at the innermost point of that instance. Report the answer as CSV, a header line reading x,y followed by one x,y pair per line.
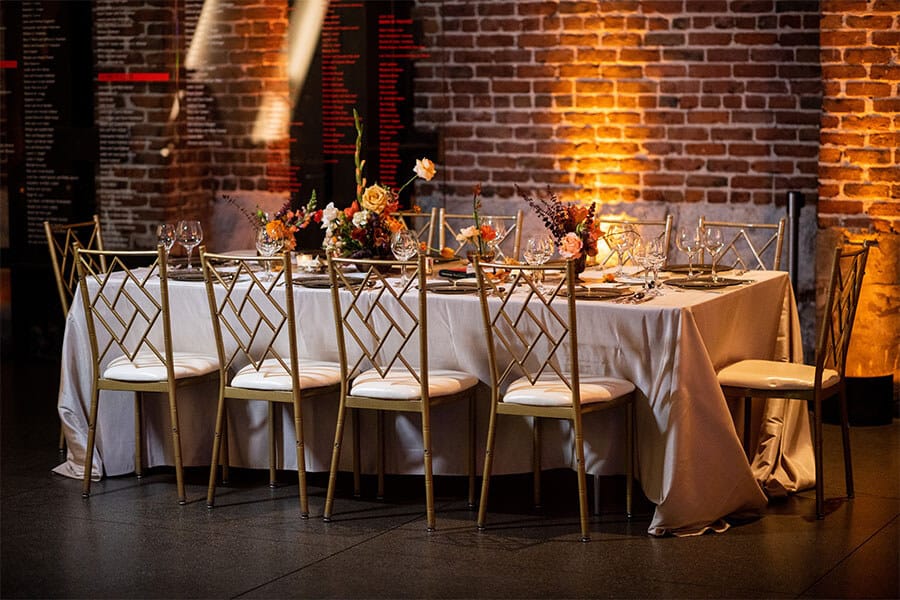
x,y
676,101
859,170
180,152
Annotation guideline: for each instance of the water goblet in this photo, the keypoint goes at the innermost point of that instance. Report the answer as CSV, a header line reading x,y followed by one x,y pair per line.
x,y
404,245
189,234
651,255
165,236
689,242
500,232
620,238
538,251
713,241
267,246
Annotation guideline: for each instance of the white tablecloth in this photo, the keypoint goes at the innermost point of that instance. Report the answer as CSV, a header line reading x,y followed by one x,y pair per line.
x,y
689,457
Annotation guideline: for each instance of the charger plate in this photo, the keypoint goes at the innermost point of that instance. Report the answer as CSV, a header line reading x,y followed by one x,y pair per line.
x,y
703,283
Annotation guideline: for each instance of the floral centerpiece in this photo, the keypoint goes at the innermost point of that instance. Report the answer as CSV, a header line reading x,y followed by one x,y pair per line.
x,y
363,229
479,235
284,224
572,226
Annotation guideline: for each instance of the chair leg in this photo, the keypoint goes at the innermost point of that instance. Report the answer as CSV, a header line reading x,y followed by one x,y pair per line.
x,y
301,457
217,444
176,442
471,453
582,482
271,428
629,458
488,463
138,441
817,451
748,420
429,476
89,450
354,424
379,453
62,439
536,460
226,460
335,460
845,438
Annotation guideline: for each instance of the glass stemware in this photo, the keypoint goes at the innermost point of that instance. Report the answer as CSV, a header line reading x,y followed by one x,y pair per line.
x,y
500,233
165,236
713,241
650,254
267,246
189,234
620,238
538,251
689,242
404,245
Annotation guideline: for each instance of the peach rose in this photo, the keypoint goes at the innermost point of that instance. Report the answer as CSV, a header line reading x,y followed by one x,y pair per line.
x,y
425,169
570,246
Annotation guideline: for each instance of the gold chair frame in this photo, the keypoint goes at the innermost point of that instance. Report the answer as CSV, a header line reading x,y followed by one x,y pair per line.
x,y
60,241
129,314
401,333
746,244
845,283
425,230
538,335
249,316
446,226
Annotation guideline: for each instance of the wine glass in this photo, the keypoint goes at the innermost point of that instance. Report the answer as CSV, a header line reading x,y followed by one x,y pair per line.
x,y
689,242
538,251
651,255
267,246
189,234
620,238
404,245
713,241
498,224
165,235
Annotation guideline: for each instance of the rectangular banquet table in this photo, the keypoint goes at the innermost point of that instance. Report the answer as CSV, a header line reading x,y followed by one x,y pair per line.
x,y
690,462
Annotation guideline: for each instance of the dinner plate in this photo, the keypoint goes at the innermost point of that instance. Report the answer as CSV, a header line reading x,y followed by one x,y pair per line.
x,y
599,293
703,283
192,275
448,288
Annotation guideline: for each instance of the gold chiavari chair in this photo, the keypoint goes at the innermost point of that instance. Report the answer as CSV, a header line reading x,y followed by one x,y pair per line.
x,y
422,223
255,330
453,223
60,241
812,384
382,337
748,246
532,343
127,314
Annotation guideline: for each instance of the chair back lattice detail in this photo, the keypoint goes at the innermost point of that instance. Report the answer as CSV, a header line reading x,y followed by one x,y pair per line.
x,y
533,334
60,241
748,246
423,223
381,325
123,312
253,318
661,229
452,224
844,288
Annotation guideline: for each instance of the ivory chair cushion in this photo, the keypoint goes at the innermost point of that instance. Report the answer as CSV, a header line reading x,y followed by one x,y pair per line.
x,y
774,375
147,367
549,390
272,376
399,384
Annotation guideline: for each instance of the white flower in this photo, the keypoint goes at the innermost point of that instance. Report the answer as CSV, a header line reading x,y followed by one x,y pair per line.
x,y
360,218
329,214
467,234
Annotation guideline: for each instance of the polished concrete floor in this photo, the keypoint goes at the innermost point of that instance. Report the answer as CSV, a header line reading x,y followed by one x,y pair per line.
x,y
131,539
